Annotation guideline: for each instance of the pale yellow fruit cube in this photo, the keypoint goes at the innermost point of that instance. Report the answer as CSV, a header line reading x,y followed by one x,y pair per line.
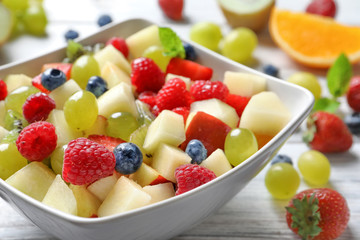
x,y
244,84
217,162
160,192
63,92
111,54
113,75
14,81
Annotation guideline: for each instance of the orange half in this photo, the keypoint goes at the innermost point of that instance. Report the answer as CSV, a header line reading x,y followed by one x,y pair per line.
x,y
314,40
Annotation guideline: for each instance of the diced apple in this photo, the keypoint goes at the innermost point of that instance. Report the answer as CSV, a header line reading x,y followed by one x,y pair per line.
x,y
117,99
146,175
167,158
62,93
141,40
167,128
14,81
265,115
209,130
216,108
99,127
87,203
10,160
244,84
113,75
63,131
160,192
126,195
60,197
103,186
186,80
34,180
3,132
111,54
217,162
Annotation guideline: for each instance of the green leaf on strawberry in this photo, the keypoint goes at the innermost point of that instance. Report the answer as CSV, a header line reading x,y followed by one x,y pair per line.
x,y
171,42
326,104
338,76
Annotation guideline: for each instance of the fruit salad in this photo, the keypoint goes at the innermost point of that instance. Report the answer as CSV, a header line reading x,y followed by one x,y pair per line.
x,y
129,122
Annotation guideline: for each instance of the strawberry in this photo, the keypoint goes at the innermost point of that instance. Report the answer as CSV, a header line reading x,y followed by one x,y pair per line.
x,y
172,8
146,75
237,102
353,94
327,133
148,97
120,44
36,82
190,69
206,89
64,67
322,7
107,141
3,90
318,213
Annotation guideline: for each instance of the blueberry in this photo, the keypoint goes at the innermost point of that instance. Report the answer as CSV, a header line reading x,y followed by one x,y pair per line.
x,y
271,70
128,158
96,85
196,150
190,53
103,20
52,78
71,34
353,122
281,158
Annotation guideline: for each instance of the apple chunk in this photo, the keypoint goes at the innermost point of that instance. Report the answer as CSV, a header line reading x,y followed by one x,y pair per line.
x,y
14,81
217,162
146,175
111,54
160,192
63,92
114,75
87,203
103,186
244,84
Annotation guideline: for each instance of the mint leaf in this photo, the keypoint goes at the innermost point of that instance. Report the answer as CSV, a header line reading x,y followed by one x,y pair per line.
x,y
338,76
171,42
326,104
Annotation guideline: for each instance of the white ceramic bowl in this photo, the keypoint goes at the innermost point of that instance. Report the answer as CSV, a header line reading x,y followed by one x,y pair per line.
x,y
173,216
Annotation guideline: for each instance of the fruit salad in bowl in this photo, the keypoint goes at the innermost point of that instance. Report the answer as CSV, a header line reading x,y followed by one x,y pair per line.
x,y
133,132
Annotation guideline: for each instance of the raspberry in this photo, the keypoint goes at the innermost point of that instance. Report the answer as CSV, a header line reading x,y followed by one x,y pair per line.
x,y
173,94
322,7
146,75
37,107
237,102
184,111
148,97
37,141
3,90
120,44
190,176
86,161
206,89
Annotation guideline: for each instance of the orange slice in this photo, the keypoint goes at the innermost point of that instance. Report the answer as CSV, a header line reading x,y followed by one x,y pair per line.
x,y
314,40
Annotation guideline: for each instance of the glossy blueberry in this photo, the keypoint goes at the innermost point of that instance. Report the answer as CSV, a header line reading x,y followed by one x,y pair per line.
x,y
128,158
281,158
71,34
271,70
190,53
52,78
353,122
96,85
196,150
103,20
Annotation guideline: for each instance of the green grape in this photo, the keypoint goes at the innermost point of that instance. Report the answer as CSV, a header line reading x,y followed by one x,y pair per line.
x,y
14,121
239,44
121,125
240,144
138,138
16,99
308,81
11,136
81,110
282,180
10,160
314,167
35,20
83,68
145,115
16,4
206,34
156,53
57,159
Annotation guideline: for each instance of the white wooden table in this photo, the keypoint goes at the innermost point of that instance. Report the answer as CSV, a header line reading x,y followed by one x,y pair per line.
x,y
253,213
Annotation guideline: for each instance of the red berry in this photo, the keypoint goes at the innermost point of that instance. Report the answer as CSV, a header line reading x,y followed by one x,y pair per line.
x,y
353,94
183,111
172,8
237,102
86,161
322,7
107,141
146,75
202,90
318,213
190,69
37,141
173,94
190,176
148,97
37,107
3,90
120,44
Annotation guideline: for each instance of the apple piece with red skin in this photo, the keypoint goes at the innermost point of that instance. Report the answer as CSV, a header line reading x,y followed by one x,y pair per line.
x,y
64,67
147,175
190,69
207,129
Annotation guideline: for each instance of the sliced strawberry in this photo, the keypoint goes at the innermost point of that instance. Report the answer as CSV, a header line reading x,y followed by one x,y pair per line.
x,y
36,82
160,179
237,102
190,69
65,67
109,142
